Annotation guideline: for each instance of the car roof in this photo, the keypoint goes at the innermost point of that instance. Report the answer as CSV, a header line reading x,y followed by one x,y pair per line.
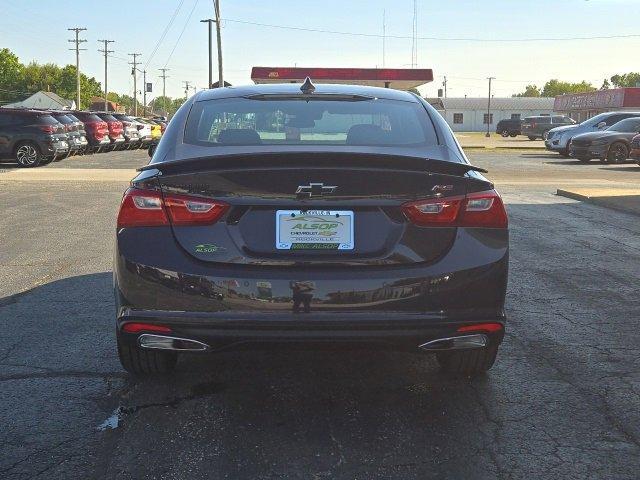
x,y
294,89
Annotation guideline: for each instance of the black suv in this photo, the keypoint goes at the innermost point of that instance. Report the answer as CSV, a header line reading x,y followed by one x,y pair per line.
x,y
509,127
31,137
75,131
539,126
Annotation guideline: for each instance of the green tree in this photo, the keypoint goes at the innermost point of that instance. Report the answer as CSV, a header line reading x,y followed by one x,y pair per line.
x,y
10,76
529,91
626,80
605,85
555,87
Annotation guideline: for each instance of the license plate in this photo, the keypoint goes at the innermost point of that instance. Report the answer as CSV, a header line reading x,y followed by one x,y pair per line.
x,y
314,230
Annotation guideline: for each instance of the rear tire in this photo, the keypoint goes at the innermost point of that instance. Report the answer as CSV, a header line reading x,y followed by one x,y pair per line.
x,y
531,137
468,362
139,361
513,135
504,133
618,153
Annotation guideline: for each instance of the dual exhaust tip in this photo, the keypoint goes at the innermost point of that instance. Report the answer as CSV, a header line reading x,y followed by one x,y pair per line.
x,y
164,342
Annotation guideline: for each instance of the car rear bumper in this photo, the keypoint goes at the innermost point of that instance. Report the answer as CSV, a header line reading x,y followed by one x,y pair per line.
x,y
225,304
395,330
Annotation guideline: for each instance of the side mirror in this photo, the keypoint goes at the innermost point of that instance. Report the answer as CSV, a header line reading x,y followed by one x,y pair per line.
x,y
152,148
601,125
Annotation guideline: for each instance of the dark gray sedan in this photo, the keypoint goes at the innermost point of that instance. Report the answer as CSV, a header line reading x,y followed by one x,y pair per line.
x,y
611,145
324,215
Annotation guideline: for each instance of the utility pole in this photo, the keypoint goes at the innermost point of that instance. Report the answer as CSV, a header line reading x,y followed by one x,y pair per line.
x,y
216,4
187,86
210,21
77,41
106,52
444,84
384,36
144,93
489,107
134,72
164,95
414,36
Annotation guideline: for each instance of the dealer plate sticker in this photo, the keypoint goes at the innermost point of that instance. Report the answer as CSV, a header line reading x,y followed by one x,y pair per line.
x,y
314,230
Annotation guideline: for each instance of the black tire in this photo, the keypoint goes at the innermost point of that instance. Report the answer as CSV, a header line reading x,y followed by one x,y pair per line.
x,y
532,137
46,160
513,135
27,154
139,361
468,362
618,153
504,133
585,160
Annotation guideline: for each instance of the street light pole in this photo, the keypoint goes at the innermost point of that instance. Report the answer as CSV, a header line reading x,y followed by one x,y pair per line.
x,y
210,21
489,107
134,72
144,93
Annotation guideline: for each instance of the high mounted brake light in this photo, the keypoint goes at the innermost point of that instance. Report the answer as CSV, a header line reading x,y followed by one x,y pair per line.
x,y
149,208
478,209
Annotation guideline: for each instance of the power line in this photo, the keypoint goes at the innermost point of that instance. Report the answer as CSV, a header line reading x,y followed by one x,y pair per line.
x,y
433,38
181,32
106,52
164,33
77,48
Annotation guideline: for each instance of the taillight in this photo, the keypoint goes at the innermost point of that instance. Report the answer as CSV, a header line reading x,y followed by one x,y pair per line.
x,y
47,128
533,124
147,208
135,327
481,327
479,209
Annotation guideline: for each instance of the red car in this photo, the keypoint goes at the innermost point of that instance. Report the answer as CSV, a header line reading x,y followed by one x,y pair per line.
x,y
116,130
96,128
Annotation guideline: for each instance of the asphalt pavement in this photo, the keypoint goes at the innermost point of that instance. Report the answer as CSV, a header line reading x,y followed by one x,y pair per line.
x,y
562,401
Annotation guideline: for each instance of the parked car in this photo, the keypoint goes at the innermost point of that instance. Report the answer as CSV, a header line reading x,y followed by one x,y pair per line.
x,y
116,136
144,129
509,127
130,132
336,237
96,128
156,131
76,137
634,152
81,130
559,138
31,137
539,126
611,145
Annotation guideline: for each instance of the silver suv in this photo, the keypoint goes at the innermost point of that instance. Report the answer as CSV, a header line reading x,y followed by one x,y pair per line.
x,y
558,138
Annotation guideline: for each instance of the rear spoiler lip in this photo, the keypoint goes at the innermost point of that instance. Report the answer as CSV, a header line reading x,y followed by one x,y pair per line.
x,y
431,165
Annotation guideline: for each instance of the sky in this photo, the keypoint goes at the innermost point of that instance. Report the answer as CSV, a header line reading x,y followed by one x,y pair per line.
x,y
168,34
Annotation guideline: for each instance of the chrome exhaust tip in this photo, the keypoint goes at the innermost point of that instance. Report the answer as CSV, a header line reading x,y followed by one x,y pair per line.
x,y
463,342
162,342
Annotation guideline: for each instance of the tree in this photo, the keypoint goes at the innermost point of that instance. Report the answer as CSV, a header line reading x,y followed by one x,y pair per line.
x,y
529,91
10,76
605,85
631,79
555,87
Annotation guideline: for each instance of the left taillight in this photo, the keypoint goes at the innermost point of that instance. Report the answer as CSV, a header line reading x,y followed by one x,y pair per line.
x,y
148,208
478,209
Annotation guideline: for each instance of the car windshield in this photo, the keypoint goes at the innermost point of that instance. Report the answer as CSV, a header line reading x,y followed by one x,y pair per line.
x,y
63,119
596,120
628,125
108,118
297,121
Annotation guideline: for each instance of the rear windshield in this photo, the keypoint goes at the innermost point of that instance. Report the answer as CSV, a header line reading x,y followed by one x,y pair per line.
x,y
63,119
296,121
108,118
630,125
46,120
92,117
72,117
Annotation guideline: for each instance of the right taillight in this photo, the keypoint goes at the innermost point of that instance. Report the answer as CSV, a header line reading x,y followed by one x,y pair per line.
x,y
148,208
479,209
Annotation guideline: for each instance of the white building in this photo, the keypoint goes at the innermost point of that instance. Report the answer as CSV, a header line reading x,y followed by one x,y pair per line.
x,y
470,114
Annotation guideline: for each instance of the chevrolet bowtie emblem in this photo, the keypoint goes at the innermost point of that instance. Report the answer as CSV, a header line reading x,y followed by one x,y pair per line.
x,y
315,190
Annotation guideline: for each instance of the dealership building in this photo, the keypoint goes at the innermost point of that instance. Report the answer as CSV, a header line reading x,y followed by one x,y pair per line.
x,y
581,106
471,115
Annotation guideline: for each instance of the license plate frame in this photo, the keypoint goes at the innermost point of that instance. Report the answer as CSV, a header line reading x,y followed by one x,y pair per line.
x,y
313,234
